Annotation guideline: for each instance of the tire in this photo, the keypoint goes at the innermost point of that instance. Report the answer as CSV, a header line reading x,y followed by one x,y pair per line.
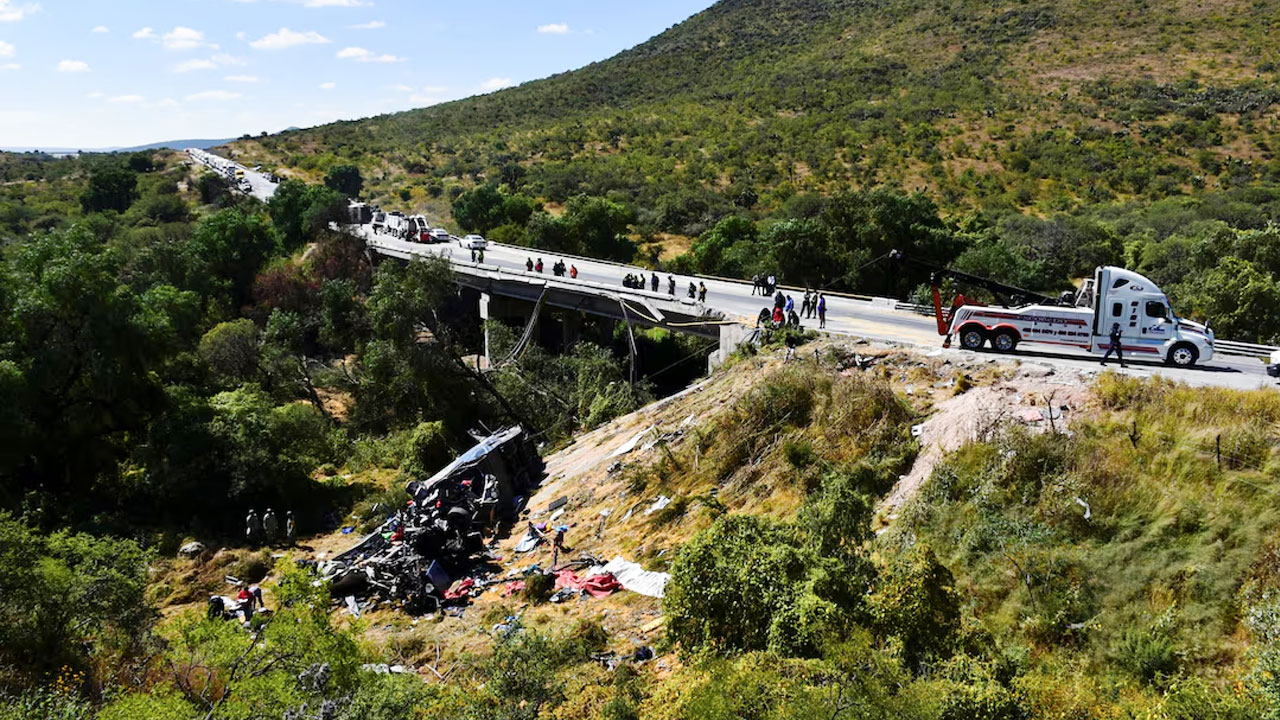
x,y
1183,355
972,337
1004,341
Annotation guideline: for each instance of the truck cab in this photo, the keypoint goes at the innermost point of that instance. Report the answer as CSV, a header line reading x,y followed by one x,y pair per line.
x,y
1148,326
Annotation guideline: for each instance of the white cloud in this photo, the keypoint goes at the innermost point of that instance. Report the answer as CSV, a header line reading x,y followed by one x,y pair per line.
x,y
435,89
225,59
145,33
286,38
184,38
495,84
554,29
94,95
328,85
359,54
73,66
100,29
10,66
215,95
242,78
167,102
402,88
189,65
7,49
126,99
11,11
242,35
371,25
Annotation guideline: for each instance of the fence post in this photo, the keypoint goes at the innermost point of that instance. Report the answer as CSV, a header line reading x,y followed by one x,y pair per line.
x,y
1218,449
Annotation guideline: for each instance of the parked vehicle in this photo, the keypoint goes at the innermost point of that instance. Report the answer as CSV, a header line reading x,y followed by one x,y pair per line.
x,y
397,225
379,223
439,235
359,213
1113,296
419,229
473,242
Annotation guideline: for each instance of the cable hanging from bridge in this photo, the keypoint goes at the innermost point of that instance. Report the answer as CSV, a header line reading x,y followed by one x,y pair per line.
x,y
527,335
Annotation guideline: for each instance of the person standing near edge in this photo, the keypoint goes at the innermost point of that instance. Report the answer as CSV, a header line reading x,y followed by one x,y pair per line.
x,y
822,311
1114,337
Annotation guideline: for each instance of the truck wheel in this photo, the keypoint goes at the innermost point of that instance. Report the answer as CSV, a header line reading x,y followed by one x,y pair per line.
x,y
1004,341
972,337
1183,355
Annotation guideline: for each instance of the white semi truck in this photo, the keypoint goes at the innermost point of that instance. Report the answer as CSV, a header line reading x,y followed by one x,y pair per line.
x,y
1149,328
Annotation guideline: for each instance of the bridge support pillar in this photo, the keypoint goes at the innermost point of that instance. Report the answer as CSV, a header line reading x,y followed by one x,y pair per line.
x,y
731,336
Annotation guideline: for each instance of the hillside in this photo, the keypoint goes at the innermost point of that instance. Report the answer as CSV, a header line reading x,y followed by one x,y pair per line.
x,y
986,105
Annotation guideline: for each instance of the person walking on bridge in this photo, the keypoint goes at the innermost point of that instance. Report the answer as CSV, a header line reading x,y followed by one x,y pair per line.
x,y
1114,346
480,256
693,290
702,292
653,282
671,285
528,265
538,265
573,272
755,284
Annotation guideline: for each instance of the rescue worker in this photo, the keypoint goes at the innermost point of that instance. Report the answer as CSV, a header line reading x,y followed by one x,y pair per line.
x,y
480,255
252,528
1114,346
290,530
557,545
702,292
270,526
804,304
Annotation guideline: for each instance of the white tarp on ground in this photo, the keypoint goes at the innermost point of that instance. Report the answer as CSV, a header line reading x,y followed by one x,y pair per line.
x,y
636,579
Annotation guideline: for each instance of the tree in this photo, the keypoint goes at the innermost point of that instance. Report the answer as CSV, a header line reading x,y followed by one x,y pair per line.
x,y
747,583
111,187
69,602
299,211
345,179
717,251
80,362
231,349
234,244
142,162
915,600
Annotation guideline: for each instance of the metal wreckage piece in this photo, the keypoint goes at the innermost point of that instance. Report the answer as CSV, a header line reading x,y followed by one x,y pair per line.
x,y
413,557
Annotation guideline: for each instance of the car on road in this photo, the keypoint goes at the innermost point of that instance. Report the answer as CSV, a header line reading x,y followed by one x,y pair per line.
x,y
438,235
473,242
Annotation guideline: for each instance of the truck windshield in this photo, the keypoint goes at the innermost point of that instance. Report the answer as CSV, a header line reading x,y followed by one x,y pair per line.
x,y
1157,309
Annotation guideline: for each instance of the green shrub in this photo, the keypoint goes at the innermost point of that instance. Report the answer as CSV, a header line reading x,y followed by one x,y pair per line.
x,y
914,600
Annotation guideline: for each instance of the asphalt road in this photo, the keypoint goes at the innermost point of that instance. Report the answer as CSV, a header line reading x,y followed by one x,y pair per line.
x,y
259,186
853,317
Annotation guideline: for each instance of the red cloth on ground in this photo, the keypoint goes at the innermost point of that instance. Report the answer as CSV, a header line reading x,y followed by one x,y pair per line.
x,y
513,587
596,586
460,589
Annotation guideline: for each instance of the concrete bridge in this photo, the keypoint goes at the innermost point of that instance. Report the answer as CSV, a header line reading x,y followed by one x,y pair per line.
x,y
506,293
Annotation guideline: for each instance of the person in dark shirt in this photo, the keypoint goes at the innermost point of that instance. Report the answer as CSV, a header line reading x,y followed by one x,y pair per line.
x,y
1114,346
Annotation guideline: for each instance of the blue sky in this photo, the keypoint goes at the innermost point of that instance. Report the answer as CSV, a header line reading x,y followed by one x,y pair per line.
x,y
99,73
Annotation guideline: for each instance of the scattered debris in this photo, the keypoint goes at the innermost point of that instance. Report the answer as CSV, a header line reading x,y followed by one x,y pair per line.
x,y
1088,513
636,579
661,502
192,549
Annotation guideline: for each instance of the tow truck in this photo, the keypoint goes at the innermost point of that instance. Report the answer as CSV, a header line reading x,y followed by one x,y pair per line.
x,y
1082,319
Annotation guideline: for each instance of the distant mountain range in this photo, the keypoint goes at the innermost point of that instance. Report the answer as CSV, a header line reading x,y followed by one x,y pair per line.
x,y
171,144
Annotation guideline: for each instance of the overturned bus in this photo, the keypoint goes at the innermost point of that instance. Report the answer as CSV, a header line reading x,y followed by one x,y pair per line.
x,y
418,550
